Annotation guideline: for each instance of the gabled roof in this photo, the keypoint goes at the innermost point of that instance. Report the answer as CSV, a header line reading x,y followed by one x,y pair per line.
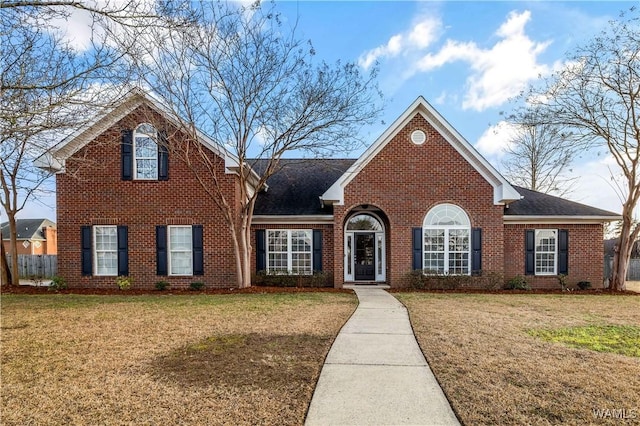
x,y
295,190
28,229
536,206
54,159
503,192
296,187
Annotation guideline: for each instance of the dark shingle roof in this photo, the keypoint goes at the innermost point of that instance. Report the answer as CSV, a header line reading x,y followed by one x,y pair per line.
x,y
28,229
538,204
295,189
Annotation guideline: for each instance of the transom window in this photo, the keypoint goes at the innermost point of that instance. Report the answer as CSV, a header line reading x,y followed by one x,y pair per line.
x,y
180,250
145,152
447,242
289,251
546,251
105,243
363,222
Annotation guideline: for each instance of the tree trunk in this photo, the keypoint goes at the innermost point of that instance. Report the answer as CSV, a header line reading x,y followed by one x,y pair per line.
x,y
622,253
4,267
13,249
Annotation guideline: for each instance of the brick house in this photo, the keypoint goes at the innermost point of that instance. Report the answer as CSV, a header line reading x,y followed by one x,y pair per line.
x,y
35,236
420,197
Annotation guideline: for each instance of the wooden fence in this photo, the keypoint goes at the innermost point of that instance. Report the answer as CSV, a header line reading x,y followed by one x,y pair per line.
x,y
36,265
633,273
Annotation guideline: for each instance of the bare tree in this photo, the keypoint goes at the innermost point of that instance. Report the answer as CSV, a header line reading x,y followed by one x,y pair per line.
x,y
539,155
242,77
598,97
44,81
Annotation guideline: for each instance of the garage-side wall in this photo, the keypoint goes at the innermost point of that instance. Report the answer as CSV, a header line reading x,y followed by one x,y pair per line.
x,y
585,245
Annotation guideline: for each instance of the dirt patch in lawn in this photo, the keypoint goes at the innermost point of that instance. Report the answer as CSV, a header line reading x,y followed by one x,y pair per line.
x,y
494,372
212,359
283,364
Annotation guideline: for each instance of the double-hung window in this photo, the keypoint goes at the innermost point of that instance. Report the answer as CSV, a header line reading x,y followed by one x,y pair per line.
x,y
180,250
290,251
105,244
546,250
145,152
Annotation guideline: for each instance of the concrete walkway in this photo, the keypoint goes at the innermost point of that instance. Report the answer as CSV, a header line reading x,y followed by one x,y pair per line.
x,y
375,372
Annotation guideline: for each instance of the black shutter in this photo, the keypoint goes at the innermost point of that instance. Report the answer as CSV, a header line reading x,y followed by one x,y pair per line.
x,y
163,157
317,250
476,251
85,244
161,250
563,251
123,251
417,249
126,157
198,250
530,252
261,250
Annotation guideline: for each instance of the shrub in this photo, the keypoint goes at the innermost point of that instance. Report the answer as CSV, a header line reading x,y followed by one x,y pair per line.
x,y
286,279
196,285
162,285
124,283
562,280
583,285
490,280
517,283
57,283
431,280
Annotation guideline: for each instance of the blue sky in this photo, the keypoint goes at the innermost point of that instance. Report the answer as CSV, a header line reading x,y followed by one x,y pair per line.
x,y
466,58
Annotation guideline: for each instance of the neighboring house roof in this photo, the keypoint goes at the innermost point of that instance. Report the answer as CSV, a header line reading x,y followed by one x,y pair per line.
x,y
296,187
503,192
535,205
28,229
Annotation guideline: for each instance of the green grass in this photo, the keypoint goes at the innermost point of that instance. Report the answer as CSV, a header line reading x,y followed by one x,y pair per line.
x,y
619,339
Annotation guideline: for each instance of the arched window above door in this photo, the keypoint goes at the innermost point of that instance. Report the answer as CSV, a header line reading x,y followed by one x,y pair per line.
x,y
364,222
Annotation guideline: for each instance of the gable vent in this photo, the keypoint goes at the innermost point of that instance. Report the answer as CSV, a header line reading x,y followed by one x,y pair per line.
x,y
418,137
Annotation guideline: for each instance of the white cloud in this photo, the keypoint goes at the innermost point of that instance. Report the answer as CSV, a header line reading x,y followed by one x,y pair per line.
x,y
494,140
424,31
79,29
499,72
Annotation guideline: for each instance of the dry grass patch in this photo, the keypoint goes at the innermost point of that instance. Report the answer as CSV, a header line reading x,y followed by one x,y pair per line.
x,y
234,359
494,372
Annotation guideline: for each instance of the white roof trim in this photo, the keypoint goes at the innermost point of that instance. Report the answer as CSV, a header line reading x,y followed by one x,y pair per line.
x,y
291,219
55,158
503,192
559,220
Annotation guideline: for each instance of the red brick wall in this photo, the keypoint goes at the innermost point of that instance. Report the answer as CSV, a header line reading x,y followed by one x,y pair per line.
x,y
91,192
585,254
405,181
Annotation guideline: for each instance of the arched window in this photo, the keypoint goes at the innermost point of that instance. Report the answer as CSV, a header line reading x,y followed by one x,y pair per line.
x,y
363,222
447,242
145,152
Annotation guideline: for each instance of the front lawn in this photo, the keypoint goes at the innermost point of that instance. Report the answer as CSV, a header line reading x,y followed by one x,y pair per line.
x,y
202,359
506,359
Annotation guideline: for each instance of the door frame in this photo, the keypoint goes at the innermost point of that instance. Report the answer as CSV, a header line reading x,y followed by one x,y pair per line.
x,y
379,250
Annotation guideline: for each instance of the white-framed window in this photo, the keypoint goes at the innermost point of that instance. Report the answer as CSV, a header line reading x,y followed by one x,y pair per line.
x,y
546,251
105,250
446,241
290,251
180,250
145,152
